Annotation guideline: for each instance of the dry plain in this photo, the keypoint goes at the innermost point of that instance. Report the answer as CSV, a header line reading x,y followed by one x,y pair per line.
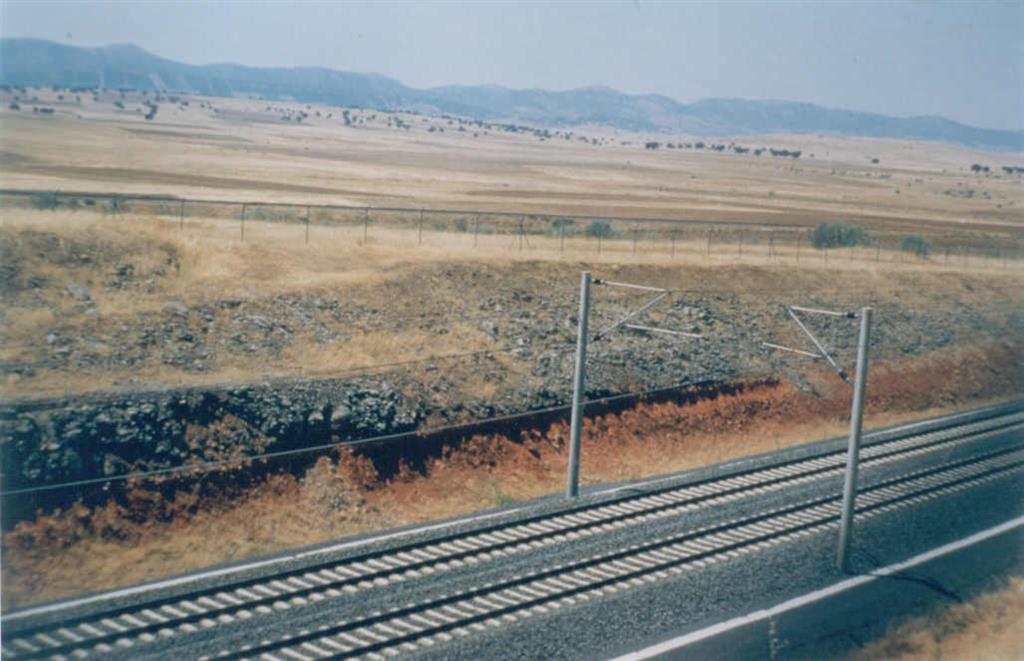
x,y
97,302
244,149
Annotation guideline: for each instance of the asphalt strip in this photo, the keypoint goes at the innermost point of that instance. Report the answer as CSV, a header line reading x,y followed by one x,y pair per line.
x,y
680,642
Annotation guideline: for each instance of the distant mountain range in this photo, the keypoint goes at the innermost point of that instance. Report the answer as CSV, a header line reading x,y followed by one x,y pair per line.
x,y
35,62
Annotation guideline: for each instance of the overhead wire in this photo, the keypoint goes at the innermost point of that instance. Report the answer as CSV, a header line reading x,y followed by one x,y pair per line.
x,y
428,431
362,370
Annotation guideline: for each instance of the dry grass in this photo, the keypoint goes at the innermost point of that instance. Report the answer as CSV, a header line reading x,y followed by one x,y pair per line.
x,y
242,152
207,263
81,550
989,627
274,256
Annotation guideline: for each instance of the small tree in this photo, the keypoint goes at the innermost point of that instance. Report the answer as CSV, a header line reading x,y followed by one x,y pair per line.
x,y
837,235
600,229
45,200
917,245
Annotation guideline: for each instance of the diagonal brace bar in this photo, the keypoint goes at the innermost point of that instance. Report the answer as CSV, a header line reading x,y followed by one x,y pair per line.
x,y
839,370
666,331
627,285
640,310
791,350
845,315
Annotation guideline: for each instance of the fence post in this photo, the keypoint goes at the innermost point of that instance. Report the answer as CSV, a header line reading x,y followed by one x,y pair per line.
x,y
561,236
522,233
708,253
799,240
181,216
307,225
673,234
419,240
476,230
572,487
243,223
636,232
366,225
853,451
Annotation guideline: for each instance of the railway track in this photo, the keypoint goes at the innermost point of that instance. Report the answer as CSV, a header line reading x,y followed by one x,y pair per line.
x,y
426,624
132,627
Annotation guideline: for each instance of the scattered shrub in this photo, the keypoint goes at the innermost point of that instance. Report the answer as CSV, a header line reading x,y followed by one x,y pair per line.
x,y
838,235
599,229
917,245
45,201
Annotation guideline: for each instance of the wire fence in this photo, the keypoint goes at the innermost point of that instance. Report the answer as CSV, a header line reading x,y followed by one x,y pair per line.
x,y
533,233
517,232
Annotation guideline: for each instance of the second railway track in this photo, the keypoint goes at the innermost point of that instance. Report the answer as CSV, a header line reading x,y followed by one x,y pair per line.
x,y
131,627
420,626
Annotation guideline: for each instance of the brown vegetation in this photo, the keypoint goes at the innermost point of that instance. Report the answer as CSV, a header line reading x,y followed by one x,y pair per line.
x,y
135,266
148,537
987,627
133,270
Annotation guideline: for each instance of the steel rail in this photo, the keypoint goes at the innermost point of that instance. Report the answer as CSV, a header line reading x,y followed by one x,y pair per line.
x,y
385,567
497,604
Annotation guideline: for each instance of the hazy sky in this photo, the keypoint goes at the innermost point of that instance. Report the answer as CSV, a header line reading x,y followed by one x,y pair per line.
x,y
961,60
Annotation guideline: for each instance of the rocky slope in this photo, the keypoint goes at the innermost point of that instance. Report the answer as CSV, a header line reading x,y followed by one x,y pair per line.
x,y
525,326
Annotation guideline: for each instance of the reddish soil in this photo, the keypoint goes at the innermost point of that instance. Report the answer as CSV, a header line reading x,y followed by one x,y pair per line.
x,y
152,534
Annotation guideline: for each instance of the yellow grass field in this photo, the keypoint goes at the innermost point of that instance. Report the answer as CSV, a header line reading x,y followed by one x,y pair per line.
x,y
242,149
212,264
96,299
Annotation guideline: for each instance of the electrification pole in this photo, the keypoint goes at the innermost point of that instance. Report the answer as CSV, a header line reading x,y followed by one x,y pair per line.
x,y
572,487
852,455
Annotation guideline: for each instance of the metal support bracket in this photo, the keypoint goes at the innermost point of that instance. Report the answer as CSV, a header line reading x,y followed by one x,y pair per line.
x,y
621,323
666,331
818,345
